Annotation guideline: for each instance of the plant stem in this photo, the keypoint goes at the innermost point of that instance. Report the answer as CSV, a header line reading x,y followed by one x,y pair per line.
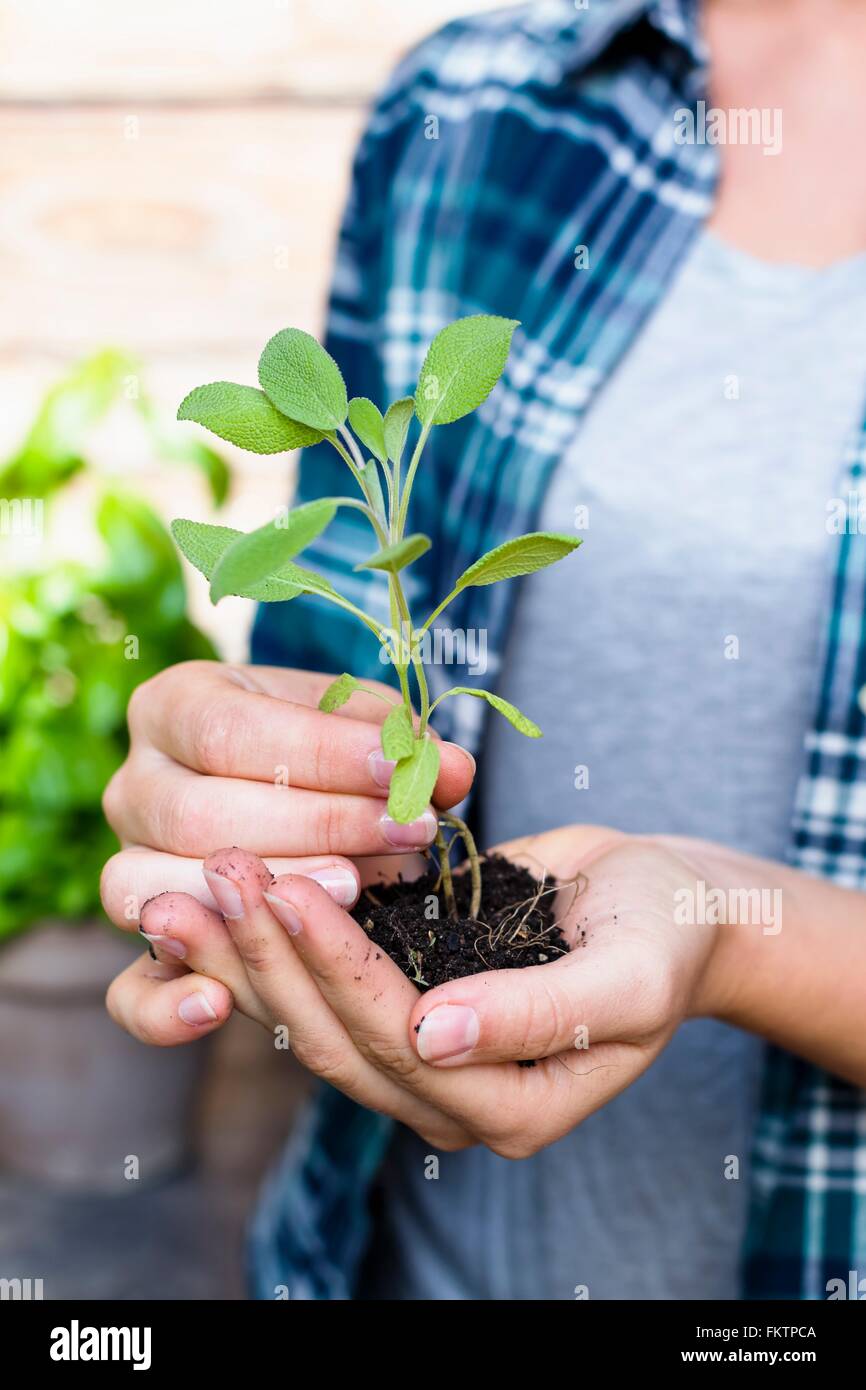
x,y
447,879
368,513
424,693
417,664
410,478
347,458
352,608
394,597
353,448
436,611
474,861
395,497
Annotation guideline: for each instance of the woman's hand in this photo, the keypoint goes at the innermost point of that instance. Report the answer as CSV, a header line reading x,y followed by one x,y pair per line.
x,y
242,755
444,1062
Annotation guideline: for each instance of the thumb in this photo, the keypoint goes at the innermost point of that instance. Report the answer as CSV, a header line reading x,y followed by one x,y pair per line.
x,y
520,1015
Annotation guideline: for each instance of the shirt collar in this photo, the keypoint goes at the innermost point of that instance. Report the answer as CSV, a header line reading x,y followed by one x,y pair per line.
x,y
571,38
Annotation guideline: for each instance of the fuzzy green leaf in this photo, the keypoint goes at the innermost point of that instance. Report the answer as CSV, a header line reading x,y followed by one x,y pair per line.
x,y
523,555
338,692
244,416
366,420
263,553
463,364
413,781
398,735
204,545
511,712
306,581
394,558
303,380
398,417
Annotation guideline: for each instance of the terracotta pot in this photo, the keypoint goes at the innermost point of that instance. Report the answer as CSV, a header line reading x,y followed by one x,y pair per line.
x,y
82,1104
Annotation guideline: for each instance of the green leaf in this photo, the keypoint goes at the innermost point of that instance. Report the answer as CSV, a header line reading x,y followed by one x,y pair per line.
x,y
374,487
142,564
303,380
463,364
366,420
52,452
306,581
263,553
209,463
201,543
511,712
413,781
244,416
398,417
204,545
523,555
394,558
398,734
338,692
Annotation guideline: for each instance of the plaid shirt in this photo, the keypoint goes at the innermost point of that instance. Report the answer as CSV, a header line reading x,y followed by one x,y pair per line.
x,y
504,144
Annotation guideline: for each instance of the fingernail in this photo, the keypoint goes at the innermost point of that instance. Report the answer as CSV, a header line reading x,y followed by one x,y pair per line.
x,y
465,751
228,899
446,1031
417,835
338,883
381,768
196,1009
285,913
169,944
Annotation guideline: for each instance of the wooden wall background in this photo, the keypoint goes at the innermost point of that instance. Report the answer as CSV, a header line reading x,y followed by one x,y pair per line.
x,y
151,156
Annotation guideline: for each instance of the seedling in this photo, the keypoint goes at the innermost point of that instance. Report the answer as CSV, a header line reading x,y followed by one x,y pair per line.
x,y
303,401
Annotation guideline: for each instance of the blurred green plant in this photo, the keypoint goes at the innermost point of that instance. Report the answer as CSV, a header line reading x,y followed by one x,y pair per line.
x,y
75,640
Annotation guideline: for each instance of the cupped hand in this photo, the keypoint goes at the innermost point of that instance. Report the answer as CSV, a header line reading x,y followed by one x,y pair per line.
x,y
242,755
444,1062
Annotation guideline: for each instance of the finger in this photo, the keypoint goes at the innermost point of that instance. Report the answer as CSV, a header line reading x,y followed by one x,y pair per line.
x,y
220,726
374,999
292,998
374,870
136,874
186,814
522,1015
515,1111
180,929
538,1011
604,994
167,1004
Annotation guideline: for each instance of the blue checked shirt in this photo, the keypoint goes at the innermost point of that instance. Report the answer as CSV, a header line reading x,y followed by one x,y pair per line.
x,y
504,145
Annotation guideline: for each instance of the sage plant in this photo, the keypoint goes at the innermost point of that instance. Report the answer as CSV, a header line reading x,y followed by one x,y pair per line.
x,y
303,401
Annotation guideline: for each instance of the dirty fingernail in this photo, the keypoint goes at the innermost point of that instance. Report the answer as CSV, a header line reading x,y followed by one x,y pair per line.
x,y
169,944
339,884
417,835
380,767
228,899
196,1009
446,1031
285,913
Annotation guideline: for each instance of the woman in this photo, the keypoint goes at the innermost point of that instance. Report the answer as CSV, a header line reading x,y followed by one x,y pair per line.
x,y
672,200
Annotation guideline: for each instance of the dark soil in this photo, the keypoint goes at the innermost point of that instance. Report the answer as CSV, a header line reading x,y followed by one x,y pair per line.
x,y
516,926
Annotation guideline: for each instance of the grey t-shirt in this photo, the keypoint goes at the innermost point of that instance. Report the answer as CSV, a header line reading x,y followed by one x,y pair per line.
x,y
675,660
